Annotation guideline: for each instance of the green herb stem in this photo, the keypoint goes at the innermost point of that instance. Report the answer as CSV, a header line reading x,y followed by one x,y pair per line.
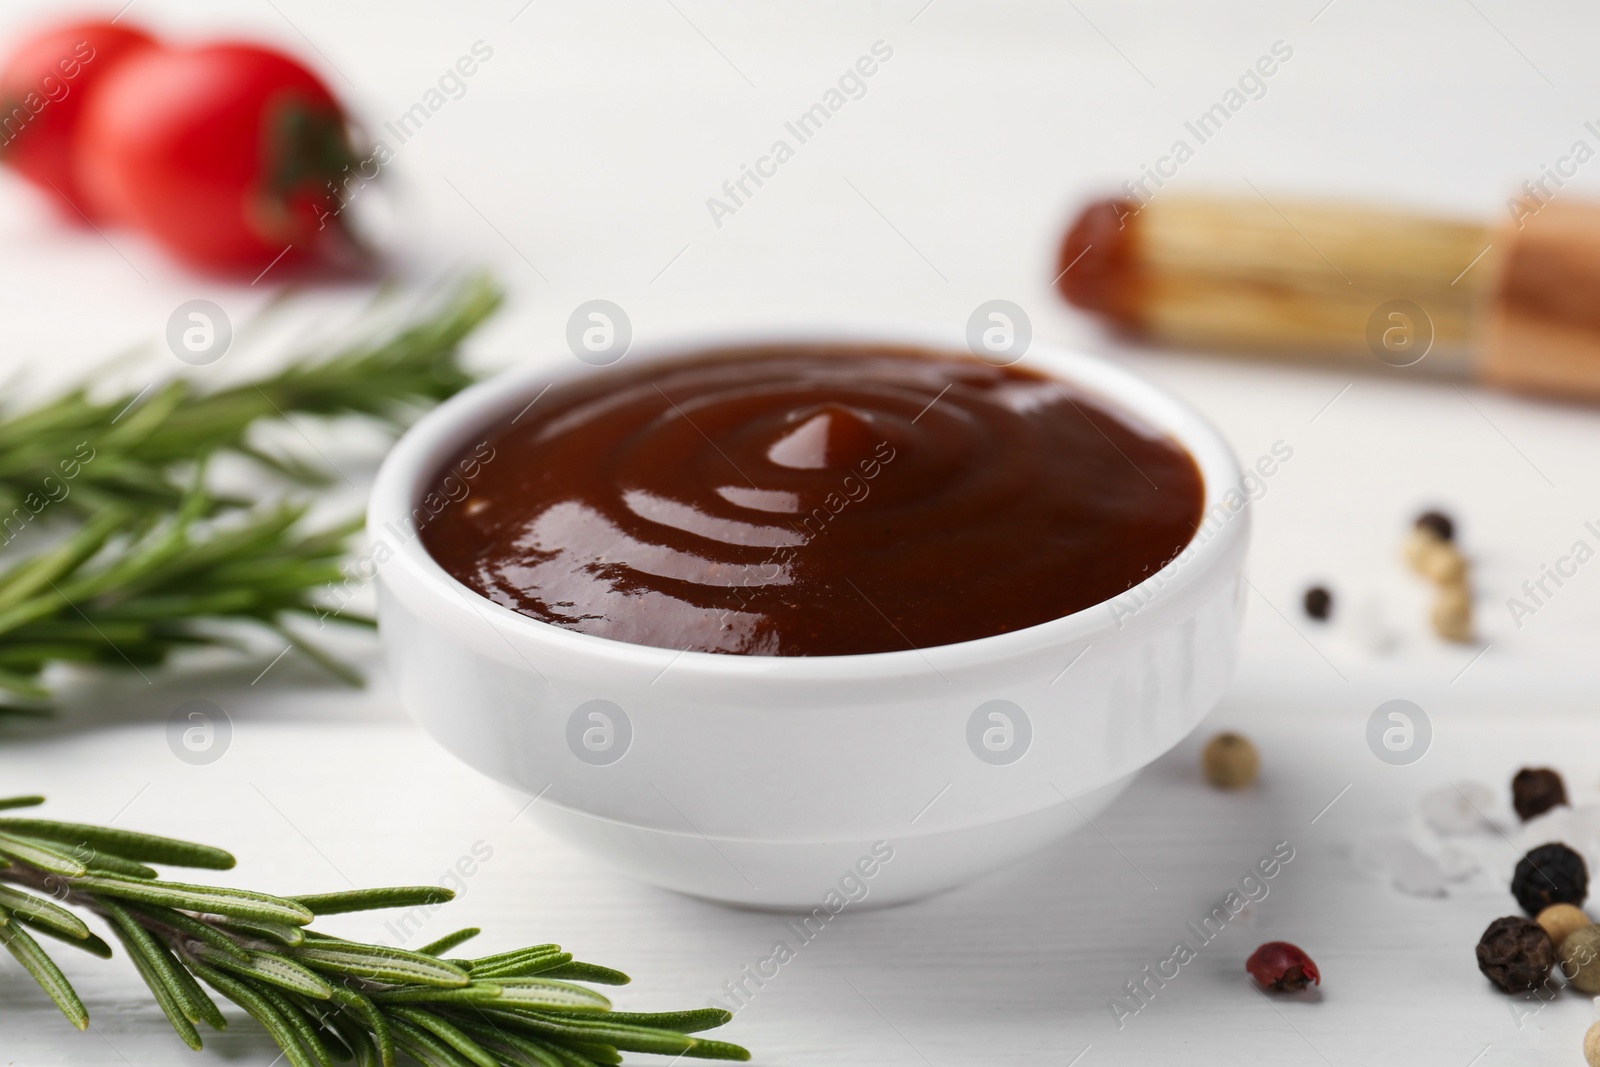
x,y
326,999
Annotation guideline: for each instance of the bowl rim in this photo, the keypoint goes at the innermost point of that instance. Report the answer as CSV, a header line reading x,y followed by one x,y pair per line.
x,y
425,447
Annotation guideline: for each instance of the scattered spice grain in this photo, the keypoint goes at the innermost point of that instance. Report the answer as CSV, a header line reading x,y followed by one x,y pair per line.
x,y
1535,790
1515,954
1580,959
1230,761
1283,967
1438,524
1550,874
1559,920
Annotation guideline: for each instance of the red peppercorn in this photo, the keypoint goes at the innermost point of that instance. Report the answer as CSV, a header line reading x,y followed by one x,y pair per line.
x,y
1282,966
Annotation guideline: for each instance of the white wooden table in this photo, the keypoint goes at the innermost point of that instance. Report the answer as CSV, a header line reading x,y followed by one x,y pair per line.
x,y
579,160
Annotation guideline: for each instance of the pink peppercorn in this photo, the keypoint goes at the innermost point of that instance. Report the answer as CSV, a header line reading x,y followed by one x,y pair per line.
x,y
1282,966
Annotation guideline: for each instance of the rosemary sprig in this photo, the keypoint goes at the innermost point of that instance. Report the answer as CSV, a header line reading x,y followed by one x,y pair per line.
x,y
129,589
150,567
323,999
129,451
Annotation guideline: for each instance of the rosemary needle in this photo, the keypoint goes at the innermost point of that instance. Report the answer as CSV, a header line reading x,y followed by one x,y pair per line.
x,y
323,999
80,455
128,589
153,563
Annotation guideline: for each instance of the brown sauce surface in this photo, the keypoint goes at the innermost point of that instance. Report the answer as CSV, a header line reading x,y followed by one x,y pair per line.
x,y
813,501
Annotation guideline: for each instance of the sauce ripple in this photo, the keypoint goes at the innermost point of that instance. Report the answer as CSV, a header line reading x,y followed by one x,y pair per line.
x,y
815,500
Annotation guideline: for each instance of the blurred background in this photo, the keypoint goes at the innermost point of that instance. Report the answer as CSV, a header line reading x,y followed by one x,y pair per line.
x,y
578,162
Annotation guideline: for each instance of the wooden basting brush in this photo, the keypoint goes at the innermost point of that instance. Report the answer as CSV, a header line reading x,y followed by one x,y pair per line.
x,y
1515,306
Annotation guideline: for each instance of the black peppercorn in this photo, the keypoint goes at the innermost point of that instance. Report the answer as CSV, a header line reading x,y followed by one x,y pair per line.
x,y
1318,603
1535,790
1550,874
1515,954
1437,523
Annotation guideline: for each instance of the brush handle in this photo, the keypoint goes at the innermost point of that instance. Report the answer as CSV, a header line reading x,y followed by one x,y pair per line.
x,y
1284,275
1543,332
1517,307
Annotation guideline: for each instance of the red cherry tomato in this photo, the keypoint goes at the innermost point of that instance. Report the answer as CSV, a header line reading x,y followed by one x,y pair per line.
x,y
229,155
44,85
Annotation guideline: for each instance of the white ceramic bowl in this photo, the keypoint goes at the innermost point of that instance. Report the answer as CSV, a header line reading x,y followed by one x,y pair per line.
x,y
795,782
